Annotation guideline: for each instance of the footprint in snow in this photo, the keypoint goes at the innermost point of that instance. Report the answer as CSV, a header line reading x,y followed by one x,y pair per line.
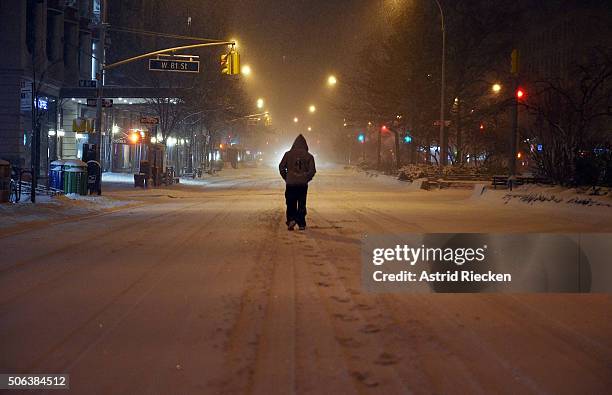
x,y
386,358
341,299
345,318
365,378
348,342
370,328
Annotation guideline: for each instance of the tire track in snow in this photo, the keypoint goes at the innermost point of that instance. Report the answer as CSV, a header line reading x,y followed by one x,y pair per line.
x,y
99,242
144,277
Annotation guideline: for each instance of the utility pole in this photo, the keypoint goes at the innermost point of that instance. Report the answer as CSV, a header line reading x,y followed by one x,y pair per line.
x,y
363,151
35,141
378,146
514,111
398,161
100,55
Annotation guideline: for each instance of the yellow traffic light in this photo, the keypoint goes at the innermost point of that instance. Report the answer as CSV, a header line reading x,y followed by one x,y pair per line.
x,y
235,61
230,63
514,62
226,65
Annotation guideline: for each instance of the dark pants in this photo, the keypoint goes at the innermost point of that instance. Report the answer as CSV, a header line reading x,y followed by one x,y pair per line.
x,y
295,197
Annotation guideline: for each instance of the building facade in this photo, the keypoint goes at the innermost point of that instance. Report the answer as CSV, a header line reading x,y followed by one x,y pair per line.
x,y
47,46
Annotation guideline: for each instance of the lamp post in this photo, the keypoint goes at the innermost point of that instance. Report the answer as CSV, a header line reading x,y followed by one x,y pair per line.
x,y
443,144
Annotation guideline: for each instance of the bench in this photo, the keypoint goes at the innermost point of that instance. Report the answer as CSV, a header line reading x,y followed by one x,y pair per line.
x,y
509,182
499,180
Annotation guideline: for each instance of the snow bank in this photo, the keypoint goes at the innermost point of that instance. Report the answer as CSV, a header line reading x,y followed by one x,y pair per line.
x,y
118,178
52,209
552,196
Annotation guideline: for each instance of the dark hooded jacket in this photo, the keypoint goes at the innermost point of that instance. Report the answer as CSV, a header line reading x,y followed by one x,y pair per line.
x,y
297,166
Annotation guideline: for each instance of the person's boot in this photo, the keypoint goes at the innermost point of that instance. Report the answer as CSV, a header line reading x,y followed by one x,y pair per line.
x,y
302,227
290,225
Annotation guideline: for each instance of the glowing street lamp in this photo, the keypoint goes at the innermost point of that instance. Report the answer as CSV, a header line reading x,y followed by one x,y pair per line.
x,y
246,70
331,80
260,103
312,108
496,88
310,129
295,119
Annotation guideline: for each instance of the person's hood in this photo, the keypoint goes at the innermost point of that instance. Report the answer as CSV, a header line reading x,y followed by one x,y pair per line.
x,y
300,143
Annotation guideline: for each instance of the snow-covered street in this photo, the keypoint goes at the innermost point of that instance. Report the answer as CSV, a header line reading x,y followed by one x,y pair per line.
x,y
199,288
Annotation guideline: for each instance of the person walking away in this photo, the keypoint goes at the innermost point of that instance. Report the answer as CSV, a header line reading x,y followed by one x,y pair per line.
x,y
297,169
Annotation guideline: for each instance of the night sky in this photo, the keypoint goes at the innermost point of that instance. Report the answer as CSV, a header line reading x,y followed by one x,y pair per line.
x,y
292,46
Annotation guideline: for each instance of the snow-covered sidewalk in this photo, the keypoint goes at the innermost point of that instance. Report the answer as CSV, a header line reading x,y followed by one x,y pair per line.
x,y
47,210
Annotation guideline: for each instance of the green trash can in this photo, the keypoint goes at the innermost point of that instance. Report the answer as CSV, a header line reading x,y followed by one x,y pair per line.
x,y
75,177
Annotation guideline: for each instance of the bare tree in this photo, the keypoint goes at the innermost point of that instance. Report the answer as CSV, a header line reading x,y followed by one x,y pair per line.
x,y
571,123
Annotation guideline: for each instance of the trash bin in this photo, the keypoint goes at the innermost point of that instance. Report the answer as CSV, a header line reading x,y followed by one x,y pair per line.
x,y
56,174
75,177
145,168
94,177
140,180
5,181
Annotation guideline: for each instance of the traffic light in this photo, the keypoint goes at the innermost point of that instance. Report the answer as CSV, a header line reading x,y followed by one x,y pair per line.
x,y
226,65
361,138
407,137
520,93
230,63
514,62
235,60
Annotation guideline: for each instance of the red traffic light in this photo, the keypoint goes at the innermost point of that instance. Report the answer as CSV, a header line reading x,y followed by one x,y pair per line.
x,y
520,93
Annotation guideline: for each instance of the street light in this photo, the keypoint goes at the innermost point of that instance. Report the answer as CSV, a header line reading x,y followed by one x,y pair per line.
x,y
442,144
331,80
312,108
246,70
496,88
295,119
260,103
310,129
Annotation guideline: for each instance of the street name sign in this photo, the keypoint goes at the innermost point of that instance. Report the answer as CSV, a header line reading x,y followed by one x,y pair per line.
x,y
26,96
180,66
87,83
105,103
149,120
437,123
